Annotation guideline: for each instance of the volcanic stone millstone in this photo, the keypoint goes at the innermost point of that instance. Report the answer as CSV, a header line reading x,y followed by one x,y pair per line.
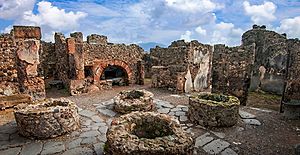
x,y
134,100
147,133
213,110
47,118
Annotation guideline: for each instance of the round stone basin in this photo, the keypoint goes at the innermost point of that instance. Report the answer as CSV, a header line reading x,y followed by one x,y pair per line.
x,y
134,100
215,110
47,118
147,133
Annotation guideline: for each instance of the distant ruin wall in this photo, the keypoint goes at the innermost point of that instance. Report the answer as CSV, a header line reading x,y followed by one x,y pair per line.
x,y
47,68
231,70
270,58
62,59
292,89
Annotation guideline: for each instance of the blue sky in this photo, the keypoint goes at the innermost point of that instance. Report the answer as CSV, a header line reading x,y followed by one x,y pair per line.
x,y
160,21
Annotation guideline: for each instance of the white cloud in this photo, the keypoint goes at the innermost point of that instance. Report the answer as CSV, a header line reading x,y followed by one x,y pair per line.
x,y
11,9
53,17
186,36
193,5
291,27
261,14
200,30
226,33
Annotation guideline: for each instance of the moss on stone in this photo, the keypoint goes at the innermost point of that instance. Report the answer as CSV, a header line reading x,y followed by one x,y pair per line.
x,y
216,99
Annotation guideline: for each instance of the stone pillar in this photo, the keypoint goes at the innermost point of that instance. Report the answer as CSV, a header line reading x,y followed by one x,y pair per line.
x,y
76,59
28,45
140,72
291,95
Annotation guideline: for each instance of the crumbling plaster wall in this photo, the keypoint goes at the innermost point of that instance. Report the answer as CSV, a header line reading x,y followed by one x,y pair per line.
x,y
185,66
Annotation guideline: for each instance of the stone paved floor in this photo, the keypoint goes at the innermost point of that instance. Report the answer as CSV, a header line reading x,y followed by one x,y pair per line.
x,y
92,136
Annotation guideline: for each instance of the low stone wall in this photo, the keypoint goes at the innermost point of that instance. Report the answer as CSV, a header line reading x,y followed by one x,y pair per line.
x,y
147,133
47,118
135,100
213,110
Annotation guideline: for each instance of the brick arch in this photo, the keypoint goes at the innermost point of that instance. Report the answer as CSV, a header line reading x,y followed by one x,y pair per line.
x,y
100,65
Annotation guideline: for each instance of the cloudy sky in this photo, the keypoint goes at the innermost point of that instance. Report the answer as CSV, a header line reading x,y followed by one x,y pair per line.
x,y
160,21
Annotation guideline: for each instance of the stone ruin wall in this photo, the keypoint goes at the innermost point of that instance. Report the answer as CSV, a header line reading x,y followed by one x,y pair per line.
x,y
292,85
20,64
271,52
9,84
182,66
232,69
48,60
73,55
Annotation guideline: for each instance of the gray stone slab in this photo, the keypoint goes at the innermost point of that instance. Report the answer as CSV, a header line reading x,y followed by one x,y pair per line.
x,y
164,104
4,137
107,112
103,129
245,115
176,109
215,146
98,147
102,138
179,113
183,118
203,139
32,148
74,143
53,147
8,129
86,122
228,151
79,151
252,122
163,110
89,140
219,134
90,134
97,119
11,151
87,113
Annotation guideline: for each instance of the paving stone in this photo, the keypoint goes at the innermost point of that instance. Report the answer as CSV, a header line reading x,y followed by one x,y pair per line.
x,y
163,110
75,133
86,122
171,113
89,134
8,129
89,140
32,148
103,129
228,151
100,124
17,140
246,115
165,104
87,113
185,109
176,109
183,118
189,124
179,113
97,119
215,146
98,147
263,110
11,151
252,122
181,106
79,151
74,143
203,139
107,112
4,136
108,122
109,102
52,148
102,138
219,134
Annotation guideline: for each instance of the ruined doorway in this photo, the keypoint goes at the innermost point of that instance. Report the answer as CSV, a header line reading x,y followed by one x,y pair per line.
x,y
116,74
